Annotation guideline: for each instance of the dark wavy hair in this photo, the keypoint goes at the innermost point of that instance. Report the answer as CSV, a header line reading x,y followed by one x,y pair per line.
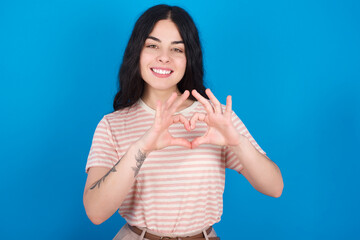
x,y
131,84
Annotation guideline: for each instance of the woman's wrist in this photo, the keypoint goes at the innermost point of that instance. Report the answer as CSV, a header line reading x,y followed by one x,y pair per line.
x,y
241,144
143,146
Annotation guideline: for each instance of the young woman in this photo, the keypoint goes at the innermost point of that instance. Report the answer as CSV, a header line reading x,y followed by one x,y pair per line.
x,y
160,157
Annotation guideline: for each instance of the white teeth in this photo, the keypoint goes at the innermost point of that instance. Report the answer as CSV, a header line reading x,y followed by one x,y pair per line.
x,y
159,71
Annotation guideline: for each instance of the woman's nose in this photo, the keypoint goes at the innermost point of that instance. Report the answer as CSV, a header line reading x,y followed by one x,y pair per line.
x,y
164,57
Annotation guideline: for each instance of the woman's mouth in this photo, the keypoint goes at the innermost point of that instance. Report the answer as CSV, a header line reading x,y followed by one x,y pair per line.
x,y
161,72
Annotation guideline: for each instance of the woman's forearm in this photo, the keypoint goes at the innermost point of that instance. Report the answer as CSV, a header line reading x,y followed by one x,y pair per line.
x,y
262,173
106,189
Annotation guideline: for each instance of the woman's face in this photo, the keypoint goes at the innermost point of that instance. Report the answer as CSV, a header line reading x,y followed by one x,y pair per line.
x,y
162,59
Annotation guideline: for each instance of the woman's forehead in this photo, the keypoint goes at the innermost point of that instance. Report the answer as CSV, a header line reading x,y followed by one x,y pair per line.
x,y
166,30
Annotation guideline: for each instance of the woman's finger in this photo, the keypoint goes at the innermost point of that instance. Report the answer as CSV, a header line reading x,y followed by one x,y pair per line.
x,y
228,108
158,114
198,141
180,142
180,118
217,104
209,109
177,103
197,117
171,99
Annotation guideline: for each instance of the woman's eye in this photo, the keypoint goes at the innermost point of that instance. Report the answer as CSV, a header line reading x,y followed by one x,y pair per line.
x,y
178,50
151,46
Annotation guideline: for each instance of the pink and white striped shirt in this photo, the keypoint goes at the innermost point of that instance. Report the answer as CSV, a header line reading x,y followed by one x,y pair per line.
x,y
177,190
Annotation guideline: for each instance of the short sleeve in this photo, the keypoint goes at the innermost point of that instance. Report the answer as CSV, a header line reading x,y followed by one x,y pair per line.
x,y
231,161
102,151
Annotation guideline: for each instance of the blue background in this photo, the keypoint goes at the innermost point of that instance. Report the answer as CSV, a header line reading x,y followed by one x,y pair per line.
x,y
293,68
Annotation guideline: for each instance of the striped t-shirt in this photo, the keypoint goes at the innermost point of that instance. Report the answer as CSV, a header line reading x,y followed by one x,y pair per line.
x,y
177,190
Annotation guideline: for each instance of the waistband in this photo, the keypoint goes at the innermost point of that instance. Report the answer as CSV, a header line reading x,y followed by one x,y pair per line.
x,y
150,236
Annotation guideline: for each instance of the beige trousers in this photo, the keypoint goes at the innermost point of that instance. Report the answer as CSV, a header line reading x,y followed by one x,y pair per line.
x,y
125,233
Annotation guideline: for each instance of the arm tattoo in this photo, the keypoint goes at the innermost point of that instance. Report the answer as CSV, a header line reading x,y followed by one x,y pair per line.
x,y
98,182
140,158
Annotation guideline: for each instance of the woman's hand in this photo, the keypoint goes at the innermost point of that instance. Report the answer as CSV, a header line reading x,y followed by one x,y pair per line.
x,y
221,130
158,136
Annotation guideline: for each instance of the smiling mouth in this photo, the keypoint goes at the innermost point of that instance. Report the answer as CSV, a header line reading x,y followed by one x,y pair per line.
x,y
161,71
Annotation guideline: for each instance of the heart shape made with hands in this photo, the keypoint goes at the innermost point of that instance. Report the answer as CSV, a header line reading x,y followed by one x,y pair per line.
x,y
212,134
189,125
220,129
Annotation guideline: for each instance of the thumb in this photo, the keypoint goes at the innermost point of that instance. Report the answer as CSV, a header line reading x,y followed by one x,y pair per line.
x,y
198,141
180,142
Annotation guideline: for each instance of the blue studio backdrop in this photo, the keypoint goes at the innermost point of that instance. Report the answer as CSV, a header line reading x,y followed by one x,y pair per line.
x,y
292,67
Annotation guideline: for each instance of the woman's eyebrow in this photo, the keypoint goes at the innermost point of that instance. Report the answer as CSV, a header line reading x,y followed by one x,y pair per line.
x,y
158,40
